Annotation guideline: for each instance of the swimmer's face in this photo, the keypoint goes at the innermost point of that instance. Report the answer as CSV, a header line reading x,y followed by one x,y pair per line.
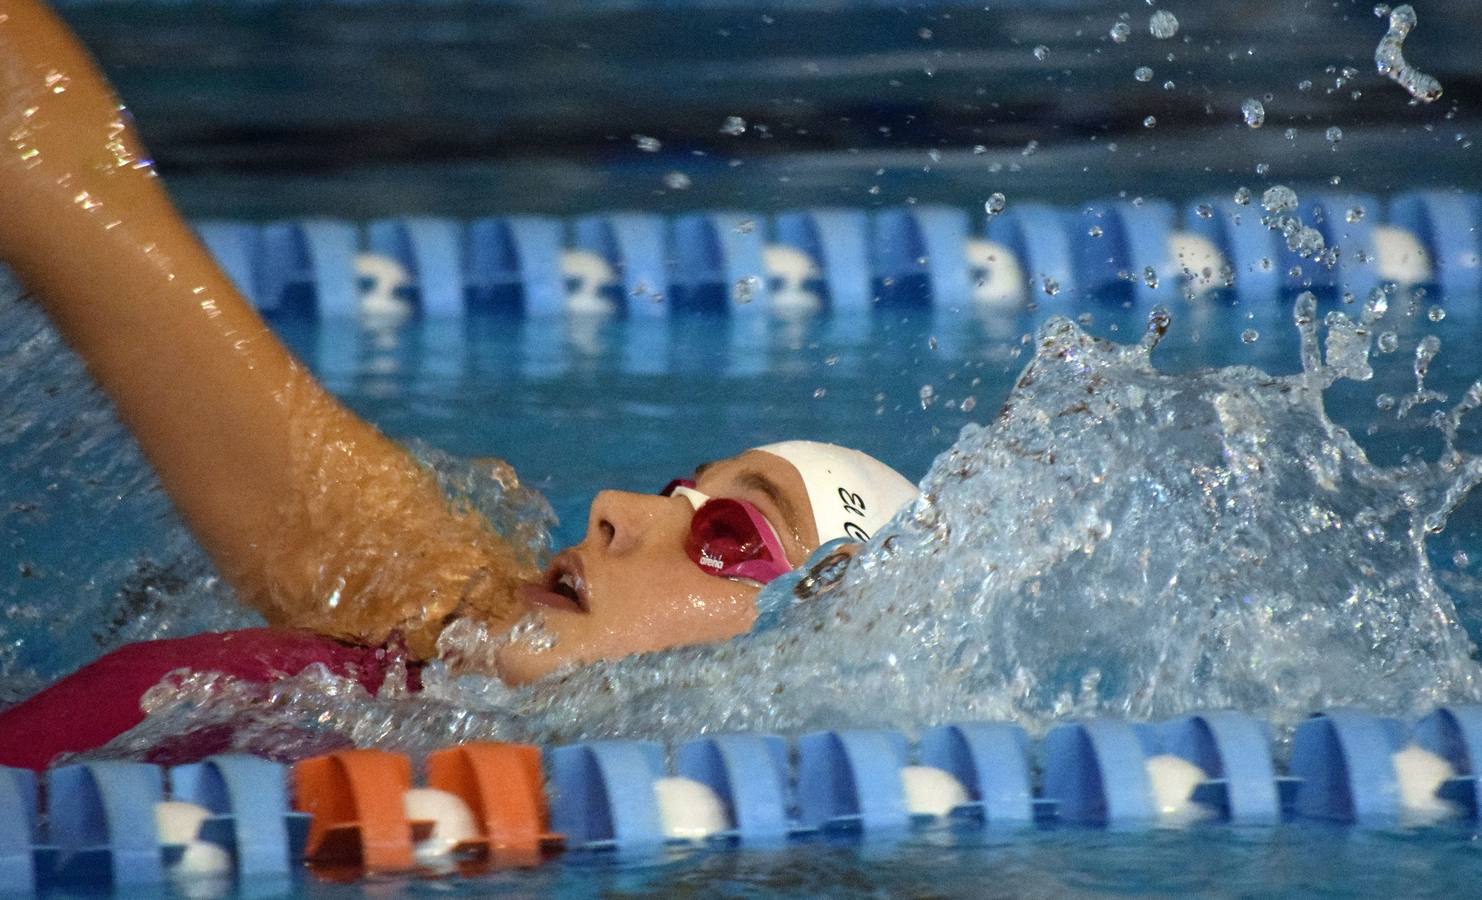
x,y
634,588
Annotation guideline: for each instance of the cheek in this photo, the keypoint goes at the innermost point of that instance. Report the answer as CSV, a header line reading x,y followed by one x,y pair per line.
x,y
689,600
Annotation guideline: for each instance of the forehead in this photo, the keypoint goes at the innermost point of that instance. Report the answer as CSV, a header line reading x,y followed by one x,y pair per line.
x,y
759,462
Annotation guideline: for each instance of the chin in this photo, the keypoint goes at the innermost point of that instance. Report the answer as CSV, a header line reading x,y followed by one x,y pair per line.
x,y
516,666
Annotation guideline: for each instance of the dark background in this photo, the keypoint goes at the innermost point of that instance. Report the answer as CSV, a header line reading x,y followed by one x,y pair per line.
x,y
261,109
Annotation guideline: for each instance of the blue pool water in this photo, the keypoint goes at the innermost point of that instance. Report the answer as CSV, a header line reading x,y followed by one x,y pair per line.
x,y
253,120
1290,861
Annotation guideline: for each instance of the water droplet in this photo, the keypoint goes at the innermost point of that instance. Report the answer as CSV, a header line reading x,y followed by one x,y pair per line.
x,y
1290,134
1381,10
1094,231
1163,24
1460,559
745,288
1334,134
1204,211
1253,112
831,360
733,125
1168,85
1051,286
647,144
1279,198
969,404
927,394
1041,53
1389,57
1150,122
1354,214
677,181
1143,74
1120,32
1435,314
1242,196
995,203
1150,277
819,393
1262,168
1304,85
1249,336
1384,402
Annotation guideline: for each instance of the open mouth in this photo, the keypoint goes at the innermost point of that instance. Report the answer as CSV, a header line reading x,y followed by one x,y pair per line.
x,y
563,587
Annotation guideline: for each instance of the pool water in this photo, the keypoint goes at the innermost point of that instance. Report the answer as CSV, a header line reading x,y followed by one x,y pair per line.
x,y
584,404
964,861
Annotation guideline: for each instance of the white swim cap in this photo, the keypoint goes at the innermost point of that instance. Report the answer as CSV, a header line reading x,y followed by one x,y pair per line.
x,y
852,493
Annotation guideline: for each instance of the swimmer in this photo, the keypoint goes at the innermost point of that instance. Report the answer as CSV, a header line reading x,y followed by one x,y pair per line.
x,y
336,534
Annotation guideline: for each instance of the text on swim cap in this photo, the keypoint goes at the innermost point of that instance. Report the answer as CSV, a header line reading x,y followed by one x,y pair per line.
x,y
854,504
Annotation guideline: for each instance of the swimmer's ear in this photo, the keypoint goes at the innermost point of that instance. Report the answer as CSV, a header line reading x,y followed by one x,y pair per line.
x,y
825,568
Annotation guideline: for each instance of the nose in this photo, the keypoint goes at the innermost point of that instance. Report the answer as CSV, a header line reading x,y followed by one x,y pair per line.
x,y
621,522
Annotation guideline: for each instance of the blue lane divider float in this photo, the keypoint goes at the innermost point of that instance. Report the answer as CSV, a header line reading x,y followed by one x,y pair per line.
x,y
307,267
852,777
837,242
1454,733
1447,225
1122,248
249,807
990,759
719,262
513,266
603,793
101,816
647,267
1250,249
633,246
430,250
749,774
100,826
1037,234
1235,750
1343,762
1346,766
1095,772
920,256
20,832
1346,222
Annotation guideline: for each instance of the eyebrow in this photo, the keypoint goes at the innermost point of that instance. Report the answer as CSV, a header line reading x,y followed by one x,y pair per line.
x,y
758,482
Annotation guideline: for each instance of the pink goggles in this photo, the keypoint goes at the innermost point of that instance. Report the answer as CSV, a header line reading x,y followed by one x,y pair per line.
x,y
730,538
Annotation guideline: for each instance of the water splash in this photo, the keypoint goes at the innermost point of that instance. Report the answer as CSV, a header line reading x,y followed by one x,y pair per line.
x,y
1117,541
1389,57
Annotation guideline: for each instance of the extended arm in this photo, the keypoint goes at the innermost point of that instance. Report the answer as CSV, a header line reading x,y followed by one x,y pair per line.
x,y
317,519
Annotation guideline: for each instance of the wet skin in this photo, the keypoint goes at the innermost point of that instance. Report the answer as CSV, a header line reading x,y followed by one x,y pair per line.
x,y
317,519
636,589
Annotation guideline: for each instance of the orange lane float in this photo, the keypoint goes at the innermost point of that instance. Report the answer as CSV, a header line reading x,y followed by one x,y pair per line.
x,y
359,818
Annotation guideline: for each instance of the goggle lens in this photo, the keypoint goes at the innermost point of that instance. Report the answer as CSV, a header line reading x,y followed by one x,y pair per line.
x,y
731,538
